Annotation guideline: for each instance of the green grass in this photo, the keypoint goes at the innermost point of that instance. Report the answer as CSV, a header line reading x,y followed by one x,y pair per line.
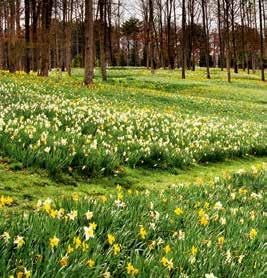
x,y
133,120
168,143
27,186
205,228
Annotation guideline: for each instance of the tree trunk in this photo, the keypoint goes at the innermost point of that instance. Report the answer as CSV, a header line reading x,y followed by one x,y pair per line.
x,y
109,31
102,9
63,36
233,37
35,16
169,35
27,36
183,38
2,44
12,38
45,45
205,27
261,42
89,42
220,35
227,29
242,15
68,46
151,36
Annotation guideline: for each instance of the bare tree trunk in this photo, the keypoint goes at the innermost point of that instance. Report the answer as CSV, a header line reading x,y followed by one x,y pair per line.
x,y
63,36
69,37
102,9
12,38
151,36
35,15
242,15
162,62
253,54
261,42
169,35
227,29
204,17
109,29
118,36
183,38
192,35
2,44
45,48
248,52
89,42
27,36
233,37
220,35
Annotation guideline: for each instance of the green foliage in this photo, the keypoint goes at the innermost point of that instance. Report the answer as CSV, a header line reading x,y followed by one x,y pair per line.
x,y
136,120
149,227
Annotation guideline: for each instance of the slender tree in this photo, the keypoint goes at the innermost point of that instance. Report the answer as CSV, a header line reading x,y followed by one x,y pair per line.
x,y
227,31
2,44
89,42
45,44
151,37
206,39
261,42
27,36
183,38
12,37
234,36
169,4
103,61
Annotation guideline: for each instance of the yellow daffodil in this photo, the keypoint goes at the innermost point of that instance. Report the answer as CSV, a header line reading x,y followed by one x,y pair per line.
x,y
88,232
142,232
90,263
116,249
194,250
167,249
131,270
54,241
64,261
178,211
252,233
167,263
220,241
77,242
19,241
111,239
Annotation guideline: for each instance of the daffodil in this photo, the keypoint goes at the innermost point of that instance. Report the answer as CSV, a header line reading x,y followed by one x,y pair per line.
x,y
252,233
167,249
89,215
19,241
178,211
54,241
194,250
88,232
116,249
142,232
5,236
204,220
131,270
64,261
167,263
90,263
220,241
77,242
111,239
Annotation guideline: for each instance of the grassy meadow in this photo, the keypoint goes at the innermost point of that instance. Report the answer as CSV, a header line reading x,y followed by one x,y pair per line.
x,y
144,175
